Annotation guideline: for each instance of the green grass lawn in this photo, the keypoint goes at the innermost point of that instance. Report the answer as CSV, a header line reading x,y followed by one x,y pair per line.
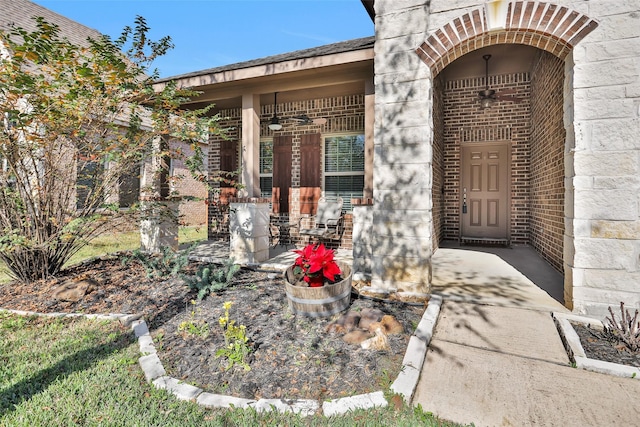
x,y
114,242
62,372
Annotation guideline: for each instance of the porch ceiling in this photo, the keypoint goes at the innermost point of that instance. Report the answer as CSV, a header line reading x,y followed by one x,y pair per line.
x,y
330,75
505,59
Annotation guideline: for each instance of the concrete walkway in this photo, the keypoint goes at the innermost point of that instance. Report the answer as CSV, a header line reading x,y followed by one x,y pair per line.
x,y
496,358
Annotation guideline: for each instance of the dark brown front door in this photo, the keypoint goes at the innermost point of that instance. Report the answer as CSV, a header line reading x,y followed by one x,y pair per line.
x,y
485,191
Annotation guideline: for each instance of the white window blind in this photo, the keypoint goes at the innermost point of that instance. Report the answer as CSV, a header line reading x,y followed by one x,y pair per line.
x,y
344,167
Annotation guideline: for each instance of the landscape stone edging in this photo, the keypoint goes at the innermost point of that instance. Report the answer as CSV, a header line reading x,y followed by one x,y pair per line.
x,y
155,373
407,380
576,351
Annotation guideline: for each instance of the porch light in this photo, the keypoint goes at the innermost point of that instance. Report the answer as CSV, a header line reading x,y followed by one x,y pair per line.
x,y
275,124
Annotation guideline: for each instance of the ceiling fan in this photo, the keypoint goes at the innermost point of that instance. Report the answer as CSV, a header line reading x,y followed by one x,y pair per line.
x,y
303,119
275,122
489,96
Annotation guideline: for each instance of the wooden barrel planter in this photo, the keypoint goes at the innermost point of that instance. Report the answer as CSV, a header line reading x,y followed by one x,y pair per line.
x,y
324,301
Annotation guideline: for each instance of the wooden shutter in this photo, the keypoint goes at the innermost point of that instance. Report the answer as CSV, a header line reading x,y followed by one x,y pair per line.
x,y
310,173
282,157
228,160
228,163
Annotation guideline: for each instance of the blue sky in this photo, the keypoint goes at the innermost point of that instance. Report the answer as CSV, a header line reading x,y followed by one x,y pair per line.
x,y
210,33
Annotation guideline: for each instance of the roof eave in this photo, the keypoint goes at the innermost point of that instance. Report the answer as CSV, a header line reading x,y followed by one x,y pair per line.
x,y
271,69
368,5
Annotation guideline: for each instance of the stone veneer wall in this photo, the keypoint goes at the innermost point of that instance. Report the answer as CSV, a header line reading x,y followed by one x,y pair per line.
x,y
602,188
344,114
403,136
465,121
547,158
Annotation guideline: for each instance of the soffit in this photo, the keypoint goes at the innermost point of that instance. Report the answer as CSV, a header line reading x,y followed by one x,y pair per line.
x,y
329,75
505,59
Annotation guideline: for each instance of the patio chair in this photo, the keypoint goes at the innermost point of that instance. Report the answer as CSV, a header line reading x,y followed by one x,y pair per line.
x,y
280,232
328,222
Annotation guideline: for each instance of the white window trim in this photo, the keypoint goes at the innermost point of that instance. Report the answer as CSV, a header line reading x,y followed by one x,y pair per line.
x,y
322,159
260,173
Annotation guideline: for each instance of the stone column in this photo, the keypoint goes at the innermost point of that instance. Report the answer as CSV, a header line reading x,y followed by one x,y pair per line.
x,y
403,136
249,230
159,222
362,237
251,144
159,225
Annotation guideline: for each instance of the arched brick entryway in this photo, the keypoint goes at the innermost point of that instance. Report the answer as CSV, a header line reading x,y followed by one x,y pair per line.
x,y
545,26
556,29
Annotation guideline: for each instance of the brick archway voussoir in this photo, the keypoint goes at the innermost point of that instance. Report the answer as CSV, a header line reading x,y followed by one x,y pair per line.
x,y
546,26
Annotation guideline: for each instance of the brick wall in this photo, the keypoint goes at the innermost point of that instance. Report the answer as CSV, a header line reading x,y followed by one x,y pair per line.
x,y
344,114
438,161
218,221
547,158
465,121
193,210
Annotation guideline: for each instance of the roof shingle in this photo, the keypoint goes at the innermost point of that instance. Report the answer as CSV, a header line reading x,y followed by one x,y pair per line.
x,y
21,13
330,49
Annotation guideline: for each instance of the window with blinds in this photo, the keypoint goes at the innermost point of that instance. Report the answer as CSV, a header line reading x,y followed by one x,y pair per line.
x,y
344,167
266,168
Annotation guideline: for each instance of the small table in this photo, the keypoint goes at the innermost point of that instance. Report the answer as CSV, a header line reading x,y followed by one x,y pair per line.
x,y
282,232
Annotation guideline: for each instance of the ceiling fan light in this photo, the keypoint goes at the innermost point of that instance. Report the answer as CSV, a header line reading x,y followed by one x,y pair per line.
x,y
486,102
275,124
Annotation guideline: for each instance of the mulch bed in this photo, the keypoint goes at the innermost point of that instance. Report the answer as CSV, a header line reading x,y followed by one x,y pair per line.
x,y
293,356
597,345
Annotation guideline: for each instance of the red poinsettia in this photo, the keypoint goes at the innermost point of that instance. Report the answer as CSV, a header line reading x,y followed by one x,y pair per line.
x,y
316,263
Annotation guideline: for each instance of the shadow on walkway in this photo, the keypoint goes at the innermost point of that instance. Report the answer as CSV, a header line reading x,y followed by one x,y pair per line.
x,y
497,275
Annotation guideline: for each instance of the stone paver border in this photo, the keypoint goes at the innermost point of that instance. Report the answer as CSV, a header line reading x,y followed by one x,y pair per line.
x,y
576,351
405,384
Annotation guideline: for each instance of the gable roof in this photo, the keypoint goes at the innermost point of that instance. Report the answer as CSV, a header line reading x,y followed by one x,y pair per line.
x,y
330,49
21,13
369,6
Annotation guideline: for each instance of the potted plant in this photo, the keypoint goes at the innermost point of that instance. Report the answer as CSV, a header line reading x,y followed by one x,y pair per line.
x,y
316,284
316,266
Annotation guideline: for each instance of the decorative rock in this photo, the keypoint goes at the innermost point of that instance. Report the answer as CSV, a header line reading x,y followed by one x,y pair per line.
x,y
345,323
379,342
390,325
369,316
356,337
351,320
74,291
334,327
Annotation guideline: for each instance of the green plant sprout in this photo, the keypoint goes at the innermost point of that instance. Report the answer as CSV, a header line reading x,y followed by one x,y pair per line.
x,y
193,326
236,347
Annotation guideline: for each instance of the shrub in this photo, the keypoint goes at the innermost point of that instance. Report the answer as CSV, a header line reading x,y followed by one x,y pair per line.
x,y
167,263
69,110
627,330
209,279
